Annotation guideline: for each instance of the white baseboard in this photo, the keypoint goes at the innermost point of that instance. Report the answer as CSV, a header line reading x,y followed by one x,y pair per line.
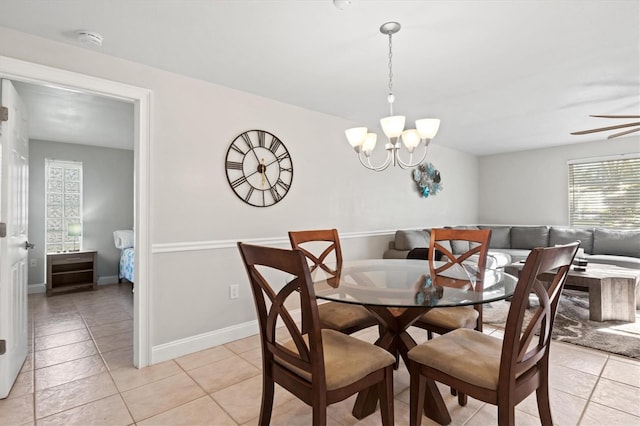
x,y
111,279
192,344
36,288
203,341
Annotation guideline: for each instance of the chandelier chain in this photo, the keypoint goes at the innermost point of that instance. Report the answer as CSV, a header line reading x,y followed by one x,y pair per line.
x,y
364,142
390,67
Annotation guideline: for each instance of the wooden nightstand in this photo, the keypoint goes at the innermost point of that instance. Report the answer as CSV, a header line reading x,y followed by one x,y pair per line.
x,y
71,271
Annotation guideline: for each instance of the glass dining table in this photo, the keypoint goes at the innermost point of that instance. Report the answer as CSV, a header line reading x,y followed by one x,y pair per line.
x,y
398,292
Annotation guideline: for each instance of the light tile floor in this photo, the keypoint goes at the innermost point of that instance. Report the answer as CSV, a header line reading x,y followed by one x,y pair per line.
x,y
79,371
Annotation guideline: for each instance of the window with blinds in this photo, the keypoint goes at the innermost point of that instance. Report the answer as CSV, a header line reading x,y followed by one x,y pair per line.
x,y
63,205
605,192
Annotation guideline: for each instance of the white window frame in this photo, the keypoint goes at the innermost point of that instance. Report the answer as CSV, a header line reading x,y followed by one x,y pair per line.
x,y
68,243
629,185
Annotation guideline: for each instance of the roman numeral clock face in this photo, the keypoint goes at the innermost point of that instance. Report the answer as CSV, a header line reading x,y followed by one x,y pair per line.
x,y
259,168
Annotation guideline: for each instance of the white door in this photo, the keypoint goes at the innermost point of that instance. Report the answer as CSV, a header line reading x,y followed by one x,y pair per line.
x,y
14,178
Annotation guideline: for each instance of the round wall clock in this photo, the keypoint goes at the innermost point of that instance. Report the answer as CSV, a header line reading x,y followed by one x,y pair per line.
x,y
259,168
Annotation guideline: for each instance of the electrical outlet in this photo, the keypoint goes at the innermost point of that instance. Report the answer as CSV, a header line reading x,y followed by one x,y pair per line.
x,y
33,263
234,291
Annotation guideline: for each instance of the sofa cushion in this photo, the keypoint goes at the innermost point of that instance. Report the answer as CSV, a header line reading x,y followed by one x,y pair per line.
x,y
500,236
620,243
528,237
460,246
446,245
410,239
516,255
394,254
560,236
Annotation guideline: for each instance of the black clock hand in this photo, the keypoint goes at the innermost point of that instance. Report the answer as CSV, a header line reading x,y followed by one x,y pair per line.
x,y
258,170
255,155
274,161
268,181
251,174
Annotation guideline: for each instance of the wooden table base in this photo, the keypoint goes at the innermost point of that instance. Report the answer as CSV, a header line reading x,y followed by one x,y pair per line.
x,y
395,339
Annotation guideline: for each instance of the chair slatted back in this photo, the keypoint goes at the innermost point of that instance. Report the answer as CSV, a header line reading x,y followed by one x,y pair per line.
x,y
270,306
479,245
544,274
299,240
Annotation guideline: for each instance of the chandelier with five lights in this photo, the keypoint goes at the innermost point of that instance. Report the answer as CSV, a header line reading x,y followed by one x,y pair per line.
x,y
363,142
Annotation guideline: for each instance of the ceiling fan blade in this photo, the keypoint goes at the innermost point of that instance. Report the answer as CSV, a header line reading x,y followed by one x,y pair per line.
x,y
602,129
615,135
616,116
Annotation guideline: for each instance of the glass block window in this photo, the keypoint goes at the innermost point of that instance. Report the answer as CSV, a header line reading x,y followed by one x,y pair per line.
x,y
605,192
63,184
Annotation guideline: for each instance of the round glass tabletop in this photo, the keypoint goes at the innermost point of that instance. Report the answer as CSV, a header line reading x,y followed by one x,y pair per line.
x,y
408,283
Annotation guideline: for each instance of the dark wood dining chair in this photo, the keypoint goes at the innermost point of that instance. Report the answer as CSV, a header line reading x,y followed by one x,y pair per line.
x,y
321,247
319,366
444,320
500,372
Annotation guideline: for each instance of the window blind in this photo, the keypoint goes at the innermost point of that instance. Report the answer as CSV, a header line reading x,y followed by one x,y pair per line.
x,y
605,193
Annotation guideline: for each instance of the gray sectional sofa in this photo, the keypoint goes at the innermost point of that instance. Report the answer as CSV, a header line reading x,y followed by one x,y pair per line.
x,y
513,243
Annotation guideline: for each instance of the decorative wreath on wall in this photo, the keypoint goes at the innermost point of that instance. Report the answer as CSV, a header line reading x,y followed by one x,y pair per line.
x,y
428,179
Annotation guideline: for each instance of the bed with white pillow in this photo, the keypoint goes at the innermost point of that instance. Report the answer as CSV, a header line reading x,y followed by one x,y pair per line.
x,y
125,242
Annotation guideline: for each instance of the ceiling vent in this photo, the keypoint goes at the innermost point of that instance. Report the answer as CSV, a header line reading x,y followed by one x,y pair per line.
x,y
89,38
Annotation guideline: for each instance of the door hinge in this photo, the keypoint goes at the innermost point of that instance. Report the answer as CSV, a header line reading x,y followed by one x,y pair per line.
x,y
3,346
3,229
4,113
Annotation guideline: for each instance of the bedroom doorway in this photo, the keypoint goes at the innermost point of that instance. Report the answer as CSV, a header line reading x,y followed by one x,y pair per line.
x,y
26,72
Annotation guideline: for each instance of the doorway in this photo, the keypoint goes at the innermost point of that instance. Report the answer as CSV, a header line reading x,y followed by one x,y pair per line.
x,y
81,174
22,71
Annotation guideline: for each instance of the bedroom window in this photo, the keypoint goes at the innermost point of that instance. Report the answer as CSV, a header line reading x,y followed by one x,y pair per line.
x,y
605,192
63,183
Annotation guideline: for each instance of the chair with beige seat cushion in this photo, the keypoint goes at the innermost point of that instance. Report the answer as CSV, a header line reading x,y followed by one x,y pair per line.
x,y
473,260
319,366
500,372
469,266
343,317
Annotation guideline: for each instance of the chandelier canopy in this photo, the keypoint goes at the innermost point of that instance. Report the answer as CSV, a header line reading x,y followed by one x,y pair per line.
x,y
363,142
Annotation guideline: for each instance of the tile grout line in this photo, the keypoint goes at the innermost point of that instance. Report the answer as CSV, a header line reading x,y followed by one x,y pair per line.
x,y
206,393
88,329
586,406
34,367
33,360
108,369
35,419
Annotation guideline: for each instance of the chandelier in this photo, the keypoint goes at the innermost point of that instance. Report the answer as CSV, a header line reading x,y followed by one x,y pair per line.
x,y
364,142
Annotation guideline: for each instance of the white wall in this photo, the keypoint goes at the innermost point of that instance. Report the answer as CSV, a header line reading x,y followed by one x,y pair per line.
x,y
531,187
196,218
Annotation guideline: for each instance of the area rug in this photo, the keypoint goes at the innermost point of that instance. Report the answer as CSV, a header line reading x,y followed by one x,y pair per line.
x,y
572,325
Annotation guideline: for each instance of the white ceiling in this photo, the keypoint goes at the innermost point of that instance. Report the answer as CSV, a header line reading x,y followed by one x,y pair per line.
x,y
501,75
62,115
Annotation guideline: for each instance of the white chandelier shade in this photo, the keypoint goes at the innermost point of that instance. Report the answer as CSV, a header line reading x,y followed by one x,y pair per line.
x,y
364,142
392,126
